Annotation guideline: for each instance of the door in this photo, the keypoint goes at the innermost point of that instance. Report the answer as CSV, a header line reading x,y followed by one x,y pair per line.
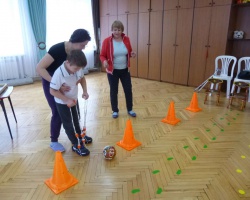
x,y
105,27
124,20
156,5
186,4
174,4
217,36
112,7
132,33
199,49
154,68
144,6
168,45
177,29
127,6
221,2
108,7
170,4
203,3
143,42
103,7
183,42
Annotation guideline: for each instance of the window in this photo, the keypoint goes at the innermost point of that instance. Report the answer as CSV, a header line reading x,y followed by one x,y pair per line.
x,y
65,16
11,33
18,49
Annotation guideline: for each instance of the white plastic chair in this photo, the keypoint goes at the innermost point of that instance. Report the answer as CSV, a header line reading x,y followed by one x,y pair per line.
x,y
241,67
221,70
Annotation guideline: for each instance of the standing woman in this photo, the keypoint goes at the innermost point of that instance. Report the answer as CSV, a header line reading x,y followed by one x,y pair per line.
x,y
115,57
56,55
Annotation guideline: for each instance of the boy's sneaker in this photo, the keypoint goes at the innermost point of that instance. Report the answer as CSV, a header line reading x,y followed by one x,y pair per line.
x,y
56,146
132,113
115,115
88,139
83,151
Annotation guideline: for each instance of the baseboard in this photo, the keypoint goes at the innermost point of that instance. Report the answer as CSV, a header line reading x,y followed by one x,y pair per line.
x,y
15,82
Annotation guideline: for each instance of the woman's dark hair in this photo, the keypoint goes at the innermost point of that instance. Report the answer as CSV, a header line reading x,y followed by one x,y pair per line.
x,y
79,35
77,57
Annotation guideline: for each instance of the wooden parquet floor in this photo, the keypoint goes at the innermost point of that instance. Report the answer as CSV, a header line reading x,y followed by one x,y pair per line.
x,y
205,156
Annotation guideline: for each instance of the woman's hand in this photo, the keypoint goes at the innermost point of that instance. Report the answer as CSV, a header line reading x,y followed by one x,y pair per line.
x,y
64,88
71,102
105,63
133,54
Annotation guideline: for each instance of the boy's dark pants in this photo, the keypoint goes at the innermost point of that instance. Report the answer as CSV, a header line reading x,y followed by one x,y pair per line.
x,y
124,76
70,121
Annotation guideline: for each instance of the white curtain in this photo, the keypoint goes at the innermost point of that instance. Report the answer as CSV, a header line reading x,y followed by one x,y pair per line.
x,y
65,16
18,52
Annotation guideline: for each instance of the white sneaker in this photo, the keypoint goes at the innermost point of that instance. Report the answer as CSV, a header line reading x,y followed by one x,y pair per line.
x,y
56,146
115,115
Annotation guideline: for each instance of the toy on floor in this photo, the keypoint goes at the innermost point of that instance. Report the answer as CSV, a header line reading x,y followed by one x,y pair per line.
x,y
109,152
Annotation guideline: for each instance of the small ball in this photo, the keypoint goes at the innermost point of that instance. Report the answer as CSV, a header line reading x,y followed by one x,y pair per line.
x,y
109,152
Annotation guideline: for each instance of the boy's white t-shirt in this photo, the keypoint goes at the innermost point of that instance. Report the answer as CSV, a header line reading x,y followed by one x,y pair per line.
x,y
62,76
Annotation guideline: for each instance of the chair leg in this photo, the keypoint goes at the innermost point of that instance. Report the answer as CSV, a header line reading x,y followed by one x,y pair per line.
x,y
230,102
6,117
242,105
228,88
248,96
212,86
218,99
232,90
205,98
238,90
12,108
216,86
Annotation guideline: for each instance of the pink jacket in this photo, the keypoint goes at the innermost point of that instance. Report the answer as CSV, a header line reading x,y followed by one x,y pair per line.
x,y
108,49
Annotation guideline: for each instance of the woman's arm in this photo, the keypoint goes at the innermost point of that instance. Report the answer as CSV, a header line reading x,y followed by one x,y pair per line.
x,y
44,63
103,53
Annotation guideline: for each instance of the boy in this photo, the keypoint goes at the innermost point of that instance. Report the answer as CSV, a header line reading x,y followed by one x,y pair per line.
x,y
71,73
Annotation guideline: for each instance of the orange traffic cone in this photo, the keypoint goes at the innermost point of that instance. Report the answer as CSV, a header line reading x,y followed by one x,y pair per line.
x,y
61,179
194,104
170,118
129,142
